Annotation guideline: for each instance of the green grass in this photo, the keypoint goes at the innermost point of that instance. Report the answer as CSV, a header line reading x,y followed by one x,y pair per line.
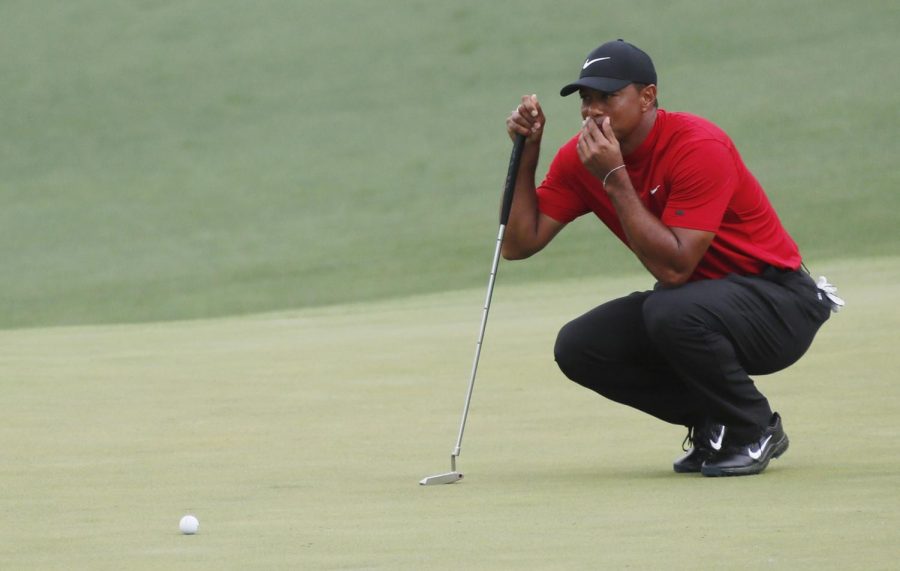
x,y
298,439
165,160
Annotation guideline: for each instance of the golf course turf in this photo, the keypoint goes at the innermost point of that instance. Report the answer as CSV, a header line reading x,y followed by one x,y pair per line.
x,y
244,255
298,439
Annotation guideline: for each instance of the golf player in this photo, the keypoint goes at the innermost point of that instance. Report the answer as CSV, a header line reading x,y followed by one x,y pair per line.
x,y
731,297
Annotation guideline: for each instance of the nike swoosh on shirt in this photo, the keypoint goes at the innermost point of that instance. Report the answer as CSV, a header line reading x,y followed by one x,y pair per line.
x,y
655,189
717,444
590,61
758,453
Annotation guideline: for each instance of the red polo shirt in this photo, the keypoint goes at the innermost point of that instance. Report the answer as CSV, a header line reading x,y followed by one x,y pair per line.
x,y
689,175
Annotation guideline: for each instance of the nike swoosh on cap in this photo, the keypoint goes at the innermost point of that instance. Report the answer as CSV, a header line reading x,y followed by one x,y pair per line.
x,y
590,61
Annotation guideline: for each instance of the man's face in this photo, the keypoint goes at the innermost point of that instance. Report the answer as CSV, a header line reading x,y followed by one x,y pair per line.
x,y
623,107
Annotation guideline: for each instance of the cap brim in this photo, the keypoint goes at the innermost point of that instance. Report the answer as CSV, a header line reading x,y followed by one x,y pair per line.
x,y
607,84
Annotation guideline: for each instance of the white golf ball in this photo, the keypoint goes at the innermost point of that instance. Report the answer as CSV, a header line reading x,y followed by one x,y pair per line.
x,y
189,525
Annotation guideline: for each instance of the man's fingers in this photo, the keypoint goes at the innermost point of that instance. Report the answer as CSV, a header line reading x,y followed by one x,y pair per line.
x,y
598,149
519,123
530,106
526,118
535,106
590,131
601,127
595,130
528,110
581,148
528,114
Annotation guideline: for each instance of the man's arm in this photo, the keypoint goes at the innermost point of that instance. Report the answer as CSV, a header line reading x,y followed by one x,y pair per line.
x,y
528,230
670,254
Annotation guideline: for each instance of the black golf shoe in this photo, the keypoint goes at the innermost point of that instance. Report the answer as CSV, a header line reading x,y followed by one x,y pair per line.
x,y
750,458
705,440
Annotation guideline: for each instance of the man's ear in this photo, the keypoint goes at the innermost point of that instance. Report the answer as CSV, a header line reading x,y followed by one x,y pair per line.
x,y
648,97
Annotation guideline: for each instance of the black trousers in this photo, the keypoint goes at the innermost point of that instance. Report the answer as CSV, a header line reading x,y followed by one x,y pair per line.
x,y
685,354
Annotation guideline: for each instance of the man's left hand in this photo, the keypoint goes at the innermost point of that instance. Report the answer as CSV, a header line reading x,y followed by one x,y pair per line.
x,y
598,148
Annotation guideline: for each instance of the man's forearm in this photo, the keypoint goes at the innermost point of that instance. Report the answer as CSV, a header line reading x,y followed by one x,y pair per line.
x,y
521,229
656,245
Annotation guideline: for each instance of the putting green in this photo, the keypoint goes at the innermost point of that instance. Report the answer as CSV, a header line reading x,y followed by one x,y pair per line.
x,y
298,439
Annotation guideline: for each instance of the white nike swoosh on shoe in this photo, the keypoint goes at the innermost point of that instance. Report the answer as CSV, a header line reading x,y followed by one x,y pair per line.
x,y
590,61
717,444
756,455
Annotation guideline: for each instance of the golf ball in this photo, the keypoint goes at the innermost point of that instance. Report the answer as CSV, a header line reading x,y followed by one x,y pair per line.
x,y
189,525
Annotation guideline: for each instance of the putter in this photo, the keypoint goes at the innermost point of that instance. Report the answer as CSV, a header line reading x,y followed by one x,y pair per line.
x,y
514,160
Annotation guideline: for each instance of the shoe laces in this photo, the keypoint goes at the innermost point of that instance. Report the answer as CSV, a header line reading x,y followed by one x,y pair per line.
x,y
688,441
700,435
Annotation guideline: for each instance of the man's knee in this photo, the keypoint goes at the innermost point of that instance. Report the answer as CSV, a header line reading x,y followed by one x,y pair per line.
x,y
591,345
569,350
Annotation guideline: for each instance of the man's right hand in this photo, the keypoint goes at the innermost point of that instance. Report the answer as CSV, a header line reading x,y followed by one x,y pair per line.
x,y
527,119
528,230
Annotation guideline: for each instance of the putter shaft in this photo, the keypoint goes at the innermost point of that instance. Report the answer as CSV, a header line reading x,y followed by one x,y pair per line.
x,y
515,160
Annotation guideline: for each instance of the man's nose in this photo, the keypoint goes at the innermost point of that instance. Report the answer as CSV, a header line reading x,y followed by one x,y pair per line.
x,y
595,109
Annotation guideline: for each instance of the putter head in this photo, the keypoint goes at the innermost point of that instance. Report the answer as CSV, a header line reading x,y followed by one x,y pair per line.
x,y
448,478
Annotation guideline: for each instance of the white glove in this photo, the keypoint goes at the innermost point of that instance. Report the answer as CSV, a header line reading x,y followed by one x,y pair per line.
x,y
830,292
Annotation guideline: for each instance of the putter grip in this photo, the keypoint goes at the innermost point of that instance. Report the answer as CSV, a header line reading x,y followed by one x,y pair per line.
x,y
514,159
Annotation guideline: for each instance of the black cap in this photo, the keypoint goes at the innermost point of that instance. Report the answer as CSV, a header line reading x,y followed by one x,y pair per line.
x,y
611,67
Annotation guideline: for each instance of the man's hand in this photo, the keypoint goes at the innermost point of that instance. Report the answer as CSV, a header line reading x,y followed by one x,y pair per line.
x,y
528,230
598,148
527,119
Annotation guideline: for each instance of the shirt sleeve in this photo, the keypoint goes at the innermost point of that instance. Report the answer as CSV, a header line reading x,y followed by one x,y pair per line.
x,y
558,195
703,181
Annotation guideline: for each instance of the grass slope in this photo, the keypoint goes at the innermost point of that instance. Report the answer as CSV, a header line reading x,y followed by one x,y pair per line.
x,y
164,160
298,439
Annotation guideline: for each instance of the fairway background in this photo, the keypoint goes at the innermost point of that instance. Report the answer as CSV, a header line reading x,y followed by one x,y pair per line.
x,y
170,170
168,160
